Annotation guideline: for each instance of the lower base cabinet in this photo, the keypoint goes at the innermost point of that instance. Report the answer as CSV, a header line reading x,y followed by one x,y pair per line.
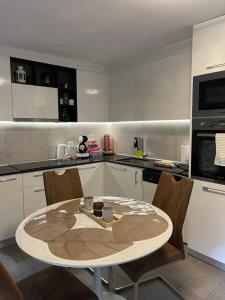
x,y
207,220
149,189
34,199
123,181
11,213
92,179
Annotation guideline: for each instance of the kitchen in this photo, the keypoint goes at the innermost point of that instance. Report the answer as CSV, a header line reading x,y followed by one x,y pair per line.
x,y
161,102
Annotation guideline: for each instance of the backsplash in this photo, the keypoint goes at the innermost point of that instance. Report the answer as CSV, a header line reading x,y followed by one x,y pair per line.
x,y
163,139
20,142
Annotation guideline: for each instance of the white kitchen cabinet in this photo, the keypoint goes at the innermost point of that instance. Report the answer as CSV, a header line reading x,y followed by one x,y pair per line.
x,y
159,90
34,102
149,189
5,90
92,179
123,181
34,199
122,103
33,192
92,96
207,221
209,47
11,212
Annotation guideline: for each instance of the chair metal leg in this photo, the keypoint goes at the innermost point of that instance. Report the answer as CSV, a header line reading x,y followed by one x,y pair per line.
x,y
136,286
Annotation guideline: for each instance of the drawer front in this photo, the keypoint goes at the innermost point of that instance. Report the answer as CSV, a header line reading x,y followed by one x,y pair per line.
x,y
11,212
32,179
34,198
36,178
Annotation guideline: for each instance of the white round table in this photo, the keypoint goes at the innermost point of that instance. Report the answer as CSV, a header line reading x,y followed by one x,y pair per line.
x,y
39,249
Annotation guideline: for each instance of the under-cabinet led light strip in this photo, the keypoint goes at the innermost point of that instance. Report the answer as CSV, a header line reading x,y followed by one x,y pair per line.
x,y
46,124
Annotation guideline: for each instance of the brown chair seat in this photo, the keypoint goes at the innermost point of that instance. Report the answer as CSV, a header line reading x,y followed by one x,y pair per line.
x,y
54,284
49,284
165,255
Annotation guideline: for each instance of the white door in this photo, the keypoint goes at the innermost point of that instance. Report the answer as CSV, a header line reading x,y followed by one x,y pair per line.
x,y
11,200
5,90
207,221
92,179
123,181
92,100
34,102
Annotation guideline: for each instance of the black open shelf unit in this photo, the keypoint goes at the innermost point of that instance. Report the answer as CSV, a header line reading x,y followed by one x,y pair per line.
x,y
62,78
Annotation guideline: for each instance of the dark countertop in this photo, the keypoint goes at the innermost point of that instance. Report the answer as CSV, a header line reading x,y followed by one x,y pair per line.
x,y
7,170
118,159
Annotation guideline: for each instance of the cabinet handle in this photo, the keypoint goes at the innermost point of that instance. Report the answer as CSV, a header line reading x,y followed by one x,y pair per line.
x,y
38,174
39,190
119,169
4,179
212,190
215,66
87,168
135,177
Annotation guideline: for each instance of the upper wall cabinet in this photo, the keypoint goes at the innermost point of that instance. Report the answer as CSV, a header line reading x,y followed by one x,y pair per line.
x,y
158,90
45,92
34,102
92,100
209,47
5,89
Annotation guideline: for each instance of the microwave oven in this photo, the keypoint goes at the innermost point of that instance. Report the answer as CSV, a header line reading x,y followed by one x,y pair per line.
x,y
209,95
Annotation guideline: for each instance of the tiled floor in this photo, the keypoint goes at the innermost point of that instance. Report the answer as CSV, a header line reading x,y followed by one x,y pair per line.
x,y
194,279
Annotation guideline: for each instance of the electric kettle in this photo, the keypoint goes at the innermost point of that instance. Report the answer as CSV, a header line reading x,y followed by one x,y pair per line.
x,y
62,151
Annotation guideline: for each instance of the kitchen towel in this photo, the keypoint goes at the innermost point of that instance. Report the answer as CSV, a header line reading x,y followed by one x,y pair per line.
x,y
220,149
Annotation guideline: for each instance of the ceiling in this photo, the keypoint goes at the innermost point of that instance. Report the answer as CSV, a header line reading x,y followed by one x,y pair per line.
x,y
100,31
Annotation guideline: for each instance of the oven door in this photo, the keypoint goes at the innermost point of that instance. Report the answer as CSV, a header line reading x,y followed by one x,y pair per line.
x,y
203,156
209,95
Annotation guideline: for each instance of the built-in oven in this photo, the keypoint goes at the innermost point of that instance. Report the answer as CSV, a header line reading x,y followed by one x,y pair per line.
x,y
204,149
209,95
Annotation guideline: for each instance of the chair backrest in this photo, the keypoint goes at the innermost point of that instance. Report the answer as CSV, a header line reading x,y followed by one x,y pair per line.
x,y
173,198
8,288
62,187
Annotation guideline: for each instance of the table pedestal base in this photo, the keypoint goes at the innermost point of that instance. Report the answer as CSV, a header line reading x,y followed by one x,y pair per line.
x,y
98,288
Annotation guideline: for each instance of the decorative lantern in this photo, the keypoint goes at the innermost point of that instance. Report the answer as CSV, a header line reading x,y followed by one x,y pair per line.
x,y
20,75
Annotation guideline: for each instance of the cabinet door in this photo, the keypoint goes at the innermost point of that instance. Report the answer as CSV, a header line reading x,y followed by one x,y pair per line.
x,y
149,189
92,97
11,212
34,199
92,179
209,47
207,221
5,89
123,181
34,102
